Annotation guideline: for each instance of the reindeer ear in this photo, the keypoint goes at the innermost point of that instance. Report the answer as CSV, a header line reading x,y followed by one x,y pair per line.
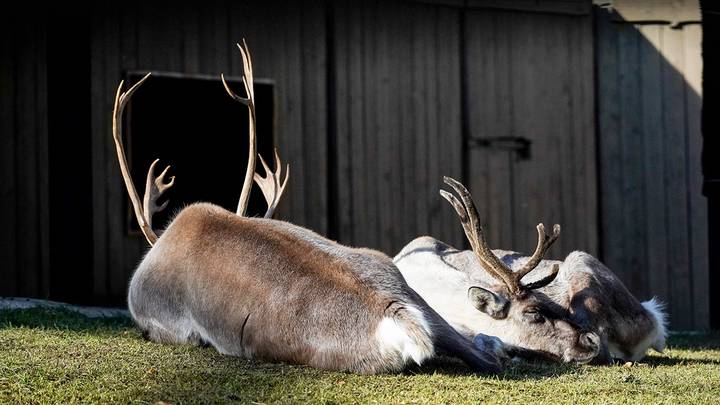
x,y
489,302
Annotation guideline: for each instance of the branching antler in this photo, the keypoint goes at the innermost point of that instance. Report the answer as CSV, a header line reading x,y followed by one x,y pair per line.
x,y
271,185
154,187
249,101
545,241
470,221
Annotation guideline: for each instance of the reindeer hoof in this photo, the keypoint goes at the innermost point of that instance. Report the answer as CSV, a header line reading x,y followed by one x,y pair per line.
x,y
491,344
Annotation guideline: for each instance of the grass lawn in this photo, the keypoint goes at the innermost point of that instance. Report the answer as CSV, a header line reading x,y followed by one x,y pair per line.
x,y
56,356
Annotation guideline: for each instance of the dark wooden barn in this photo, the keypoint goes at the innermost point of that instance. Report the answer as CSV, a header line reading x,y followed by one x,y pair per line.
x,y
565,111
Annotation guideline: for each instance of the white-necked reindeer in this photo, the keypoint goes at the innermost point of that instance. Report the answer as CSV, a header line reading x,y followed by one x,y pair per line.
x,y
570,311
267,289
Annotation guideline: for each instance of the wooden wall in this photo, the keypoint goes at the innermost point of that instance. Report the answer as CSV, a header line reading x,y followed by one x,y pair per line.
x,y
654,217
24,246
414,100
375,102
530,76
398,123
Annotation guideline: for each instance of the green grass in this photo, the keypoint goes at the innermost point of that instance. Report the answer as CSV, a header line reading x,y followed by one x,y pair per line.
x,y
56,356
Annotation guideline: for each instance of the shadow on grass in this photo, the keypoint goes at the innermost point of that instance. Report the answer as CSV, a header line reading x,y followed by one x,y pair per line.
x,y
524,370
677,361
695,340
62,319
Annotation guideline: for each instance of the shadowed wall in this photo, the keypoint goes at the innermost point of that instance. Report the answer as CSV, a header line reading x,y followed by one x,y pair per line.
x,y
552,111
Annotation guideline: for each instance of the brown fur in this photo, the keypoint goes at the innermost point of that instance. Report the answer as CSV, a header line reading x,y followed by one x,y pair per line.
x,y
267,289
597,299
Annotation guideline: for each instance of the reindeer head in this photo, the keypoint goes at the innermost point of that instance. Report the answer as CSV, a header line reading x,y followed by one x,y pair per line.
x,y
535,325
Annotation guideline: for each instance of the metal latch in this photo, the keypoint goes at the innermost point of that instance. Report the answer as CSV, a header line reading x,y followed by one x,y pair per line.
x,y
516,144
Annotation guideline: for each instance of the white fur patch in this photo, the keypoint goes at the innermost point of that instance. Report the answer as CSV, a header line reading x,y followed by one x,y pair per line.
x,y
424,271
394,338
656,337
419,318
657,310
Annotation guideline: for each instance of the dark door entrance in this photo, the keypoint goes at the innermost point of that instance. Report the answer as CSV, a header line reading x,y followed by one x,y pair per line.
x,y
189,122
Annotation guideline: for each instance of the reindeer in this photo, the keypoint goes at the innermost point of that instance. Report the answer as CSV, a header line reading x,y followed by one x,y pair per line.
x,y
267,289
576,310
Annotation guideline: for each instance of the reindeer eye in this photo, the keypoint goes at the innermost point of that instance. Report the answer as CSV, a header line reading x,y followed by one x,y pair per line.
x,y
534,317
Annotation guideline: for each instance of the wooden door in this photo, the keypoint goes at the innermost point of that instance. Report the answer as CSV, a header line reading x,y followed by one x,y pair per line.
x,y
530,117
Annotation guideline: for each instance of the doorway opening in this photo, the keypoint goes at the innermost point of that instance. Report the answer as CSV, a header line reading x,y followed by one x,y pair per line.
x,y
190,123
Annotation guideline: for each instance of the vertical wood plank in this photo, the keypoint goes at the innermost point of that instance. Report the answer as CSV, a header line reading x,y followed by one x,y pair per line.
x,y
137,23
405,207
116,196
577,164
42,182
344,119
370,111
190,41
449,129
676,179
610,144
292,69
27,226
131,58
565,141
654,170
314,114
632,190
697,204
98,141
524,54
421,147
584,132
430,75
558,196
384,113
357,124
8,185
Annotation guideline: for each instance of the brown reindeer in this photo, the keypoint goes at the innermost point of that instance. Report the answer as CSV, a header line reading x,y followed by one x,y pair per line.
x,y
267,289
574,310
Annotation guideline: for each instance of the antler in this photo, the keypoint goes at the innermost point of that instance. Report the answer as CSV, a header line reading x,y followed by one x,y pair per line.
x,y
470,221
270,184
155,186
143,216
249,101
544,243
